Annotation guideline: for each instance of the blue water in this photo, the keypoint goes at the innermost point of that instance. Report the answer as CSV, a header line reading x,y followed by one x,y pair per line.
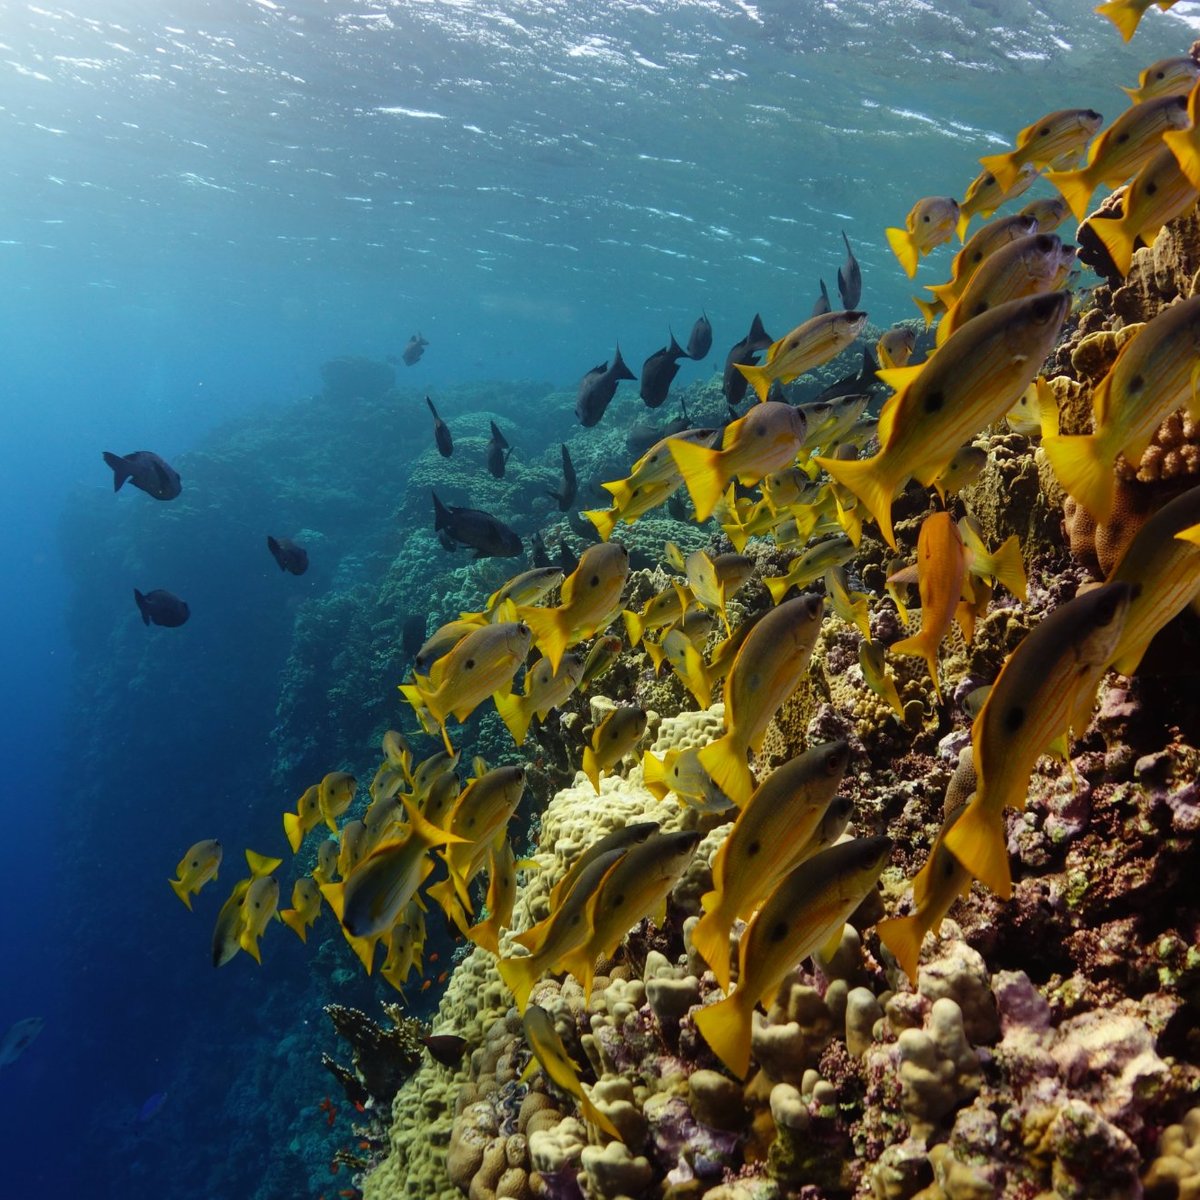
x,y
202,202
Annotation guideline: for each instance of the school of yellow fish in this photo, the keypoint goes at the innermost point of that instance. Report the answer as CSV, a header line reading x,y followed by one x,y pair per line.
x,y
786,876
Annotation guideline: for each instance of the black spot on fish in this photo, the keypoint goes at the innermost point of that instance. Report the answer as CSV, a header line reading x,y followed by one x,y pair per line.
x,y
1122,138
1133,595
1044,131
926,218
778,931
754,848
1014,719
594,581
1151,188
470,664
948,865
1136,383
934,402
618,900
989,179
195,863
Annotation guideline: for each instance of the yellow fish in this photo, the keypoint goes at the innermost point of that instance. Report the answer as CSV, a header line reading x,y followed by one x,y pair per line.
x,y
526,588
1049,212
1002,566
440,799
938,407
327,861
766,439
355,847
809,566
714,580
1185,143
483,663
1046,688
1155,373
604,652
1121,150
985,195
611,740
896,346
552,1057
658,612
1035,412
851,607
335,796
809,345
633,888
687,662
878,678
307,817
1125,14
679,771
1025,267
941,569
965,468
545,689
654,468
195,869
1168,77
1162,565
501,895
398,752
771,835
769,667
804,913
1058,138
405,943
937,885
930,222
591,599
306,907
231,919
442,640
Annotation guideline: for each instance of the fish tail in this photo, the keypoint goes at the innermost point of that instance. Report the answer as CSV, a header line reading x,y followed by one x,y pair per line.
x,y
445,893
484,935
294,828
1076,188
977,840
595,1117
591,768
726,1026
1084,470
701,470
261,864
250,945
364,949
778,586
519,975
710,937
903,937
1122,14
1003,167
864,479
725,762
1009,568
929,309
513,713
917,645
551,633
964,219
179,888
656,654
604,519
634,626
654,776
1185,145
140,601
758,378
904,248
120,469
1116,239
294,920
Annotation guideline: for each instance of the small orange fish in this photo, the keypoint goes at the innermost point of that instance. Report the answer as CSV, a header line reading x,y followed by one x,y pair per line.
x,y
349,1193
330,1115
433,957
334,1167
364,1145
359,1106
426,985
443,976
325,1104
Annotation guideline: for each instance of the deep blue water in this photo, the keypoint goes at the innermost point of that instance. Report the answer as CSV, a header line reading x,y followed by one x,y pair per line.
x,y
202,202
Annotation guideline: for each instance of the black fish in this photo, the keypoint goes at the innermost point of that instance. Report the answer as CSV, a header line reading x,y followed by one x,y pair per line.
x,y
567,558
288,554
700,339
850,278
485,534
537,553
658,371
413,636
161,608
446,542
821,304
734,383
859,383
441,432
566,495
597,388
445,1048
145,470
497,460
414,349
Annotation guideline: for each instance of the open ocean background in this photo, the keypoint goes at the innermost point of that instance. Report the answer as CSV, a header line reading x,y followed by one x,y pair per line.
x,y
201,201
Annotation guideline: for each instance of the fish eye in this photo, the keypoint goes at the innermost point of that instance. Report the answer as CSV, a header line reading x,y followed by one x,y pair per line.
x,y
926,218
1044,131
595,582
195,863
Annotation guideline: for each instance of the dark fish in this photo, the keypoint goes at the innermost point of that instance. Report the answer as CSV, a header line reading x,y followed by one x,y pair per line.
x,y
446,542
567,558
861,382
537,554
700,339
640,438
145,470
445,1048
677,506
288,554
734,383
597,388
485,534
497,460
414,349
850,278
658,371
413,637
566,495
441,432
821,304
161,608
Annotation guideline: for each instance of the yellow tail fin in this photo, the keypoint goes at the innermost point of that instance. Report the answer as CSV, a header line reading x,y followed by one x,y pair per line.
x,y
551,633
1117,240
1185,145
294,829
701,470
863,478
1124,15
726,1026
178,888
621,490
758,378
511,708
591,768
292,918
930,309
1085,472
1076,188
654,776
778,586
725,762
604,519
634,626
917,645
904,248
1002,167
1009,568
903,937
519,975
710,937
977,840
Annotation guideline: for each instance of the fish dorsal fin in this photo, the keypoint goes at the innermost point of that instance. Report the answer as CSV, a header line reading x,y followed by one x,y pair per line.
x,y
899,379
773,351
